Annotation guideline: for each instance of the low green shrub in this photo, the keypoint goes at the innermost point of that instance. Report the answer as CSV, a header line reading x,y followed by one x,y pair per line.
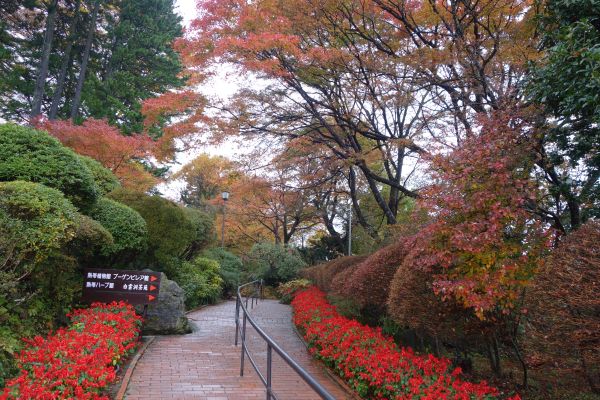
x,y
170,231
274,263
231,267
287,290
200,281
37,281
126,226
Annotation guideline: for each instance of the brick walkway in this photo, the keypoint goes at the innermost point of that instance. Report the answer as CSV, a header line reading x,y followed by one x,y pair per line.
x,y
205,364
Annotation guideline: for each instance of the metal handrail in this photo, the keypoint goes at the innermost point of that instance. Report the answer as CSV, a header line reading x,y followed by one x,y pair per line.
x,y
271,345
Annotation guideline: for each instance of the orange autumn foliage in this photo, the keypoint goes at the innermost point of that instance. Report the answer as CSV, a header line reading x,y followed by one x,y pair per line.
x,y
105,143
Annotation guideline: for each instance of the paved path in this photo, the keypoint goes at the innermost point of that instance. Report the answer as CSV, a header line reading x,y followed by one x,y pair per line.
x,y
205,364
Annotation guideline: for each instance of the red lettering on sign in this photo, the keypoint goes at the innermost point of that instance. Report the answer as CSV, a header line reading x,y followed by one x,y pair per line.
x,y
150,297
153,278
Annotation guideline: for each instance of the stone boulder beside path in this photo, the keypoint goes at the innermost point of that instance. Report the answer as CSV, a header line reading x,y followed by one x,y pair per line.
x,y
167,315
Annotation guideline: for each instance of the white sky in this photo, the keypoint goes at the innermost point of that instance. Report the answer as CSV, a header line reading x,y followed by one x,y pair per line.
x,y
222,87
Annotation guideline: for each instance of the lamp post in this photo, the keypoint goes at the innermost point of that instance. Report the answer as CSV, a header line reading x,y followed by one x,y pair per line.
x,y
225,197
350,229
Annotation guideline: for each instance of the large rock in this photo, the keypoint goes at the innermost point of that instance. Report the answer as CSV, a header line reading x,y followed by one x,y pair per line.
x,y
167,315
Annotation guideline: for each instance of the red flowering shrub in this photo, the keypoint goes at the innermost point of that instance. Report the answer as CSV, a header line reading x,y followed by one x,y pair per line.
x,y
369,284
76,362
372,363
323,274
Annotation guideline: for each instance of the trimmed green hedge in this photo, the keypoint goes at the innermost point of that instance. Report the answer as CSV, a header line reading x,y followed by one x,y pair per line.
x,y
104,178
170,231
127,227
38,282
30,155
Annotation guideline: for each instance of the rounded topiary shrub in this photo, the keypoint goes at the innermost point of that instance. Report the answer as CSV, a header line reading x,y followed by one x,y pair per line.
x,y
564,306
204,233
36,279
127,227
323,274
104,178
169,229
91,239
30,155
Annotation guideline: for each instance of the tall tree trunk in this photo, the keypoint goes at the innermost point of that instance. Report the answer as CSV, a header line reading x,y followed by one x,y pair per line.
x,y
84,63
42,72
67,60
390,217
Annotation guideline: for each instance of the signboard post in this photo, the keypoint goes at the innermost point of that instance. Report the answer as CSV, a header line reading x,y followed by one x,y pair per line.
x,y
134,287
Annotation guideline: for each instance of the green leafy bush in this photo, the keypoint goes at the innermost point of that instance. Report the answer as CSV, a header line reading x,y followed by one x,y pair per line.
x,y
203,230
30,155
200,281
170,231
91,239
287,290
36,278
104,178
231,267
274,263
126,226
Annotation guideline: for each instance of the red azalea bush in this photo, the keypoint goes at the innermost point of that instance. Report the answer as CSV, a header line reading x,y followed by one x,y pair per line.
x,y
372,363
78,361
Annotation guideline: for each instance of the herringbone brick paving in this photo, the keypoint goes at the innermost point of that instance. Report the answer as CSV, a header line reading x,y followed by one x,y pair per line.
x,y
205,364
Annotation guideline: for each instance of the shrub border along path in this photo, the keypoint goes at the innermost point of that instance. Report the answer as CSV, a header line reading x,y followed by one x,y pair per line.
x,y
372,364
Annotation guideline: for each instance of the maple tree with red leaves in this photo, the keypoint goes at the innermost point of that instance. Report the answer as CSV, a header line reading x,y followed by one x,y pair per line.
x,y
484,244
106,144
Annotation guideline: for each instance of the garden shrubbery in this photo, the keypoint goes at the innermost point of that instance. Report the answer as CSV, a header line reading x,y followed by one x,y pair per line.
x,y
230,268
170,231
104,178
372,364
200,281
274,263
323,274
36,223
77,362
369,284
564,307
127,227
30,155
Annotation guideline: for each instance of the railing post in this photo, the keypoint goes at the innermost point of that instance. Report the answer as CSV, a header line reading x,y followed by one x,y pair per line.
x,y
243,345
237,318
269,371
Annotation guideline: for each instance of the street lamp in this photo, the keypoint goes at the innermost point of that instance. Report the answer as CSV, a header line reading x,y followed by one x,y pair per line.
x,y
225,197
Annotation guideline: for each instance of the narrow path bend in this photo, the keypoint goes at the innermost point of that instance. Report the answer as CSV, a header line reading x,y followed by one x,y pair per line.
x,y
205,364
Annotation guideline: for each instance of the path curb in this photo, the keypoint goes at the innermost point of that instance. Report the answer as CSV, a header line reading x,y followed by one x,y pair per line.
x,y
121,393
